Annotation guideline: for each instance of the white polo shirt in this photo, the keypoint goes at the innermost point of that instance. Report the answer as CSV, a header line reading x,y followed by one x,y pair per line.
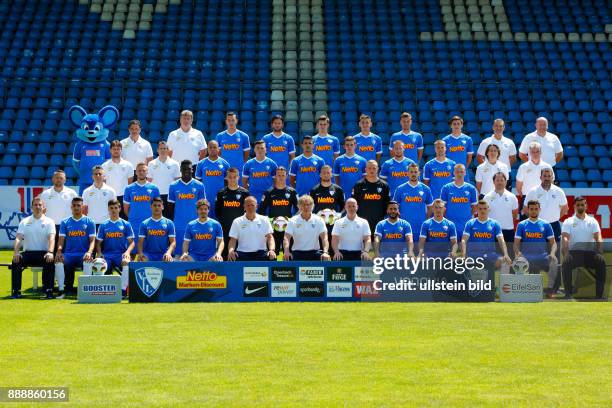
x,y
529,174
162,174
36,232
581,232
251,234
186,145
506,146
136,152
485,172
551,145
551,202
306,233
117,174
96,199
351,233
57,204
501,207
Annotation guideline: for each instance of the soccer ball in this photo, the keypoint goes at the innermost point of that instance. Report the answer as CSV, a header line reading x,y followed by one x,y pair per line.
x,y
99,266
329,216
280,223
520,266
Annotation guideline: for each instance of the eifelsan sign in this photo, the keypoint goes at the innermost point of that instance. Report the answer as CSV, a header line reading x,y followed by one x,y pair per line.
x,y
520,288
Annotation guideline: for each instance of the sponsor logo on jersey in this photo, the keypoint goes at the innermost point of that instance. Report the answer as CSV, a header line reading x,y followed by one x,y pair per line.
x,y
185,196
278,149
441,174
457,148
230,146
366,148
213,173
234,204
138,198
321,148
399,174
156,232
309,169
483,235
394,235
113,235
413,199
92,153
204,236
534,234
326,200
409,146
349,170
459,200
280,202
260,174
76,233
438,234
372,196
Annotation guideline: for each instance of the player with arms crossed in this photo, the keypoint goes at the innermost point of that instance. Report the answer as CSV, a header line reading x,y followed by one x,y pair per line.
x,y
438,237
115,242
393,234
156,237
77,236
203,239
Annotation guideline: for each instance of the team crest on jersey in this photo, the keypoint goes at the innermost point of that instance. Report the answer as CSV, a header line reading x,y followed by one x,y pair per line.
x,y
287,195
238,196
445,227
284,142
149,280
210,229
356,162
489,227
332,192
463,141
121,227
421,193
268,167
149,190
448,167
193,190
467,192
541,228
221,166
379,189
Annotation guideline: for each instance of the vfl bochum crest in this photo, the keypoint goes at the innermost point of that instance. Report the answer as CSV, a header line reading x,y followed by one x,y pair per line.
x,y
149,280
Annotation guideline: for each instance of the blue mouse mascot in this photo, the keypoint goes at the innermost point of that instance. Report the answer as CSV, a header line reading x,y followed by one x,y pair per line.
x,y
92,148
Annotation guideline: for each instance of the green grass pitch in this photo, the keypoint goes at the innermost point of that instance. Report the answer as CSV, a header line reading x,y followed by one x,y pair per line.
x,y
308,354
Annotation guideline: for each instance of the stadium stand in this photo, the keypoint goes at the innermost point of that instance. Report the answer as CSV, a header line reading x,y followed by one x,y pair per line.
x,y
302,58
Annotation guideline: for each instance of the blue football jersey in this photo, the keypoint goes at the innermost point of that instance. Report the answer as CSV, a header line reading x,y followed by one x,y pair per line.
x,y
185,196
212,174
157,234
349,171
458,148
139,197
413,202
325,147
413,142
202,238
395,172
89,155
393,231
114,236
306,171
76,234
534,237
481,236
260,175
438,174
438,236
459,202
233,147
279,148
368,146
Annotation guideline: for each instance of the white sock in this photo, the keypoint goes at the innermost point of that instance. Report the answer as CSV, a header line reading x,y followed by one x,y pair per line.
x,y
87,268
505,268
60,275
125,277
552,274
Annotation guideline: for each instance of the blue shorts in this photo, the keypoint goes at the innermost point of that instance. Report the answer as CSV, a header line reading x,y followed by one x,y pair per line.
x,y
154,257
73,260
538,263
113,261
201,257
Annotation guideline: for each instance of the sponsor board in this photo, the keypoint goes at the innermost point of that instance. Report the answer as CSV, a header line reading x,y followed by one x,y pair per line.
x,y
257,290
201,280
284,289
520,288
283,274
99,289
365,274
312,273
311,289
365,290
149,279
339,289
255,274
339,274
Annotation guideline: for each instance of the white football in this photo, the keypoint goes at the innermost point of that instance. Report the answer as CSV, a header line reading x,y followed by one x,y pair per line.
x,y
99,266
280,223
329,216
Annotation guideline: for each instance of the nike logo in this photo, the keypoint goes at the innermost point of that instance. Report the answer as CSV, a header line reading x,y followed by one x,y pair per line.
x,y
248,291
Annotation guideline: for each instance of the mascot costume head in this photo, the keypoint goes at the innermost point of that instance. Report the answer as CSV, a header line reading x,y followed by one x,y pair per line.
x,y
92,148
